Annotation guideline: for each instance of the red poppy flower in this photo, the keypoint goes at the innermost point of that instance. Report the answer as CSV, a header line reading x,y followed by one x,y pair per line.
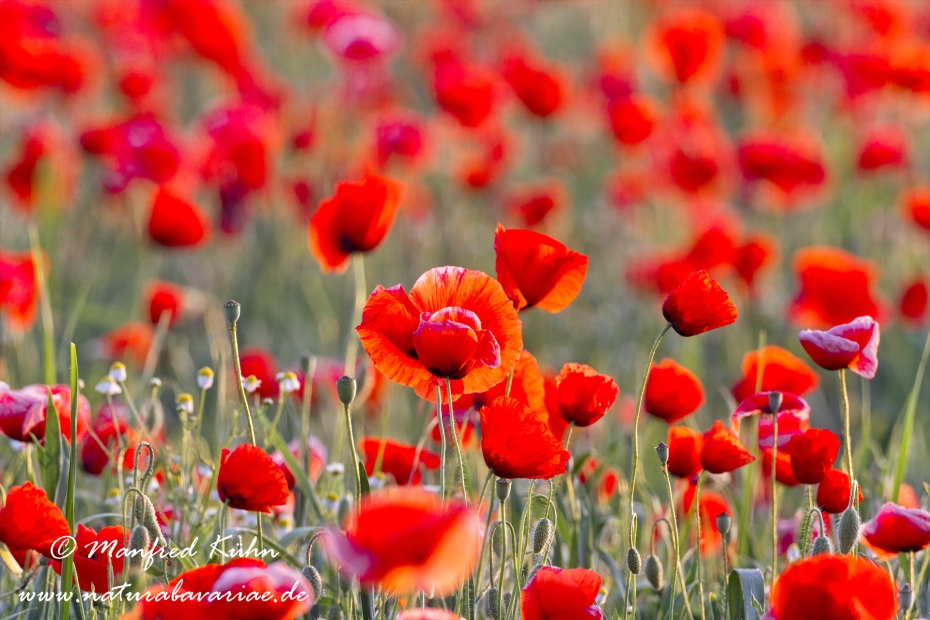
x,y
28,520
249,480
404,539
466,91
400,460
722,450
783,473
23,412
110,430
131,342
139,148
536,270
165,297
21,175
897,530
456,324
258,362
175,222
632,119
781,371
833,586
532,205
915,300
361,37
399,136
853,345
793,417
833,492
835,287
685,46
92,553
561,594
755,254
517,443
584,396
527,386
19,291
813,454
711,504
684,452
356,218
916,204
537,86
672,391
317,453
788,164
884,147
698,305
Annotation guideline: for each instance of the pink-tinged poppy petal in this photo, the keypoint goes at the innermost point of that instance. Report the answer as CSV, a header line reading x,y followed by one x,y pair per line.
x,y
865,333
827,350
445,348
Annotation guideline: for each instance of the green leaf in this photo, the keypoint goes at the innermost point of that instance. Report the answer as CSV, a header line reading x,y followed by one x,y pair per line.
x,y
745,588
363,479
51,456
300,473
910,410
67,567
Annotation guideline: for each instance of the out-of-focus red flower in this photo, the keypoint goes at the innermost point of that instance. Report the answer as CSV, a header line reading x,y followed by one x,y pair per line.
x,y
584,395
110,430
915,300
456,324
533,204
402,461
883,147
812,454
175,222
19,291
711,505
399,136
698,305
672,391
722,450
783,472
356,218
793,416
897,530
833,586
539,87
834,287
554,593
316,453
632,119
833,492
684,452
41,143
916,206
685,46
404,539
483,169
752,257
787,164
164,297
909,64
464,90
23,412
536,270
517,443
261,364
249,480
91,556
853,345
28,520
130,343
361,36
781,371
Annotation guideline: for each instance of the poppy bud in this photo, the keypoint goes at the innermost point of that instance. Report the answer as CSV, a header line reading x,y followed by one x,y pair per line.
x,y
775,399
497,541
308,364
346,387
138,544
822,544
906,597
654,572
316,582
662,451
634,560
492,608
723,523
503,488
232,309
542,535
848,531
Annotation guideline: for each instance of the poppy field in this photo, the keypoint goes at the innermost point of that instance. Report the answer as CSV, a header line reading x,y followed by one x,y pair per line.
x,y
464,309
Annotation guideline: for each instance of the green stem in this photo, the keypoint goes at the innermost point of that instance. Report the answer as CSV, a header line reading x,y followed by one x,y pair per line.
x,y
487,527
697,551
848,438
500,578
354,452
358,270
676,542
455,441
242,395
442,451
774,497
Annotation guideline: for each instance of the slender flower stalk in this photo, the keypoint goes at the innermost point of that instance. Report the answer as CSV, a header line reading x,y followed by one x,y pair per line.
x,y
774,497
676,543
442,441
358,270
346,389
848,437
455,440
697,552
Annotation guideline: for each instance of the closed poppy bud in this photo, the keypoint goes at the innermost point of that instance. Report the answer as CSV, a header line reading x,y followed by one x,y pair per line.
x,y
634,561
312,575
723,523
503,488
497,541
848,530
492,603
139,542
698,305
653,569
906,597
662,452
543,535
232,309
346,388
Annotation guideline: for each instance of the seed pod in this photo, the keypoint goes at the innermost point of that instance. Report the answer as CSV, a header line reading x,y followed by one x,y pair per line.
x,y
653,568
346,388
634,560
775,399
232,309
316,582
491,604
543,535
822,544
906,597
662,452
723,523
848,531
503,486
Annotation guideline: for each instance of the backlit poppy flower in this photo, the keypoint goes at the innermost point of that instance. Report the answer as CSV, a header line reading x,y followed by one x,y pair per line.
x,y
632,119
793,416
910,66
698,305
464,90
722,450
456,324
131,342
685,46
19,291
28,520
537,86
45,156
402,461
833,492
536,270
915,300
91,556
853,345
813,454
833,586
554,593
111,430
23,412
532,205
527,386
916,205
405,539
684,452
897,530
356,218
164,297
783,472
517,442
317,454
781,371
583,395
260,363
787,164
883,147
249,480
138,148
672,391
175,222
834,287
712,505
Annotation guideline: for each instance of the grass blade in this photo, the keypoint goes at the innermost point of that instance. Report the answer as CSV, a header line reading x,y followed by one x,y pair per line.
x,y
51,456
910,412
67,567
